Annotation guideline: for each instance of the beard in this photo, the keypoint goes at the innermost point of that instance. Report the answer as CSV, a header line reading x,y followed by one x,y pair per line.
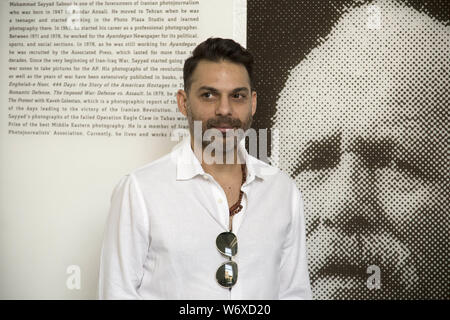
x,y
222,144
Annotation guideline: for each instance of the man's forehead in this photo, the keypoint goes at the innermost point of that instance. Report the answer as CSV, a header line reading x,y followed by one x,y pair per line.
x,y
384,79
221,75
391,83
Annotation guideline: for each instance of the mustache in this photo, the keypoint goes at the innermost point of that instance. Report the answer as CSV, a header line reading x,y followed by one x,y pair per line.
x,y
223,122
351,255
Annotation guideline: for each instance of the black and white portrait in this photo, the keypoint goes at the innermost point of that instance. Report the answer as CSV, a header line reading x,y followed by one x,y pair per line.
x,y
359,93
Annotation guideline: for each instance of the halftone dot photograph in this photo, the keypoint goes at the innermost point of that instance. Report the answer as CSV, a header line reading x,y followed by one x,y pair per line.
x,y
359,93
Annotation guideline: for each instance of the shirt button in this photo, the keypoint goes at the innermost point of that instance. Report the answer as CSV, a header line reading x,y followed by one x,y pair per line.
x,y
219,200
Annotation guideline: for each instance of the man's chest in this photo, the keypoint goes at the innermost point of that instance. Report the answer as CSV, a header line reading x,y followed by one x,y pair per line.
x,y
231,192
192,210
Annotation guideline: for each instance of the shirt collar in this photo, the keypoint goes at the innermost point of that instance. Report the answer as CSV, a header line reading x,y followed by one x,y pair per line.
x,y
188,165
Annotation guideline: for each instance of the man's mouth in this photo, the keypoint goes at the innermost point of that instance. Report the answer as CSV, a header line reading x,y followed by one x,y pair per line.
x,y
347,260
224,129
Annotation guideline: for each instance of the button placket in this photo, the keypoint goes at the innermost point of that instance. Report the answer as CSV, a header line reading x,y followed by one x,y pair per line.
x,y
221,204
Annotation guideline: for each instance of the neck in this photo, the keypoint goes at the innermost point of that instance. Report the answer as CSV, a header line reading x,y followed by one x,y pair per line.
x,y
222,169
229,166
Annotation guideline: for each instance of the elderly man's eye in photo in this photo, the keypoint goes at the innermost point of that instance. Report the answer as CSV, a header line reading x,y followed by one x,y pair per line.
x,y
408,167
320,155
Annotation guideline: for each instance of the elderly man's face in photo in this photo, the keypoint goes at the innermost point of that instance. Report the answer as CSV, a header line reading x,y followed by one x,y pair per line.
x,y
364,130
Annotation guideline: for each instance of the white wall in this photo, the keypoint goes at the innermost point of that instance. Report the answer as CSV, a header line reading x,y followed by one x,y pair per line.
x,y
55,191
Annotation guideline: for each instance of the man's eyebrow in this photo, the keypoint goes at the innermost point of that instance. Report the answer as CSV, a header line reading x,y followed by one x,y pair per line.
x,y
212,89
317,150
375,150
206,88
240,89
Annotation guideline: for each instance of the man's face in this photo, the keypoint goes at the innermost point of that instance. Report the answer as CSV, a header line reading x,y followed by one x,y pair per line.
x,y
220,97
362,130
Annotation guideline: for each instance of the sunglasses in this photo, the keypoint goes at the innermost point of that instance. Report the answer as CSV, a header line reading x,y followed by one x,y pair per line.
x,y
227,273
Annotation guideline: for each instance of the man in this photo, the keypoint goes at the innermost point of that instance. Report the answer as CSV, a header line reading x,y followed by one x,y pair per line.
x,y
193,226
363,123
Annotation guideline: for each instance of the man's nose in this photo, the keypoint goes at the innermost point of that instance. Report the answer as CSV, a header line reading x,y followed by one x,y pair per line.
x,y
357,178
224,107
355,206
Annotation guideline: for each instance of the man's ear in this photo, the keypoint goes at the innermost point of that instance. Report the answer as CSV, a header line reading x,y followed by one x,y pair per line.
x,y
254,102
181,101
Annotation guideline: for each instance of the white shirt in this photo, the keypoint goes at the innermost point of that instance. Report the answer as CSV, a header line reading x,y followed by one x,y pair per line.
x,y
160,238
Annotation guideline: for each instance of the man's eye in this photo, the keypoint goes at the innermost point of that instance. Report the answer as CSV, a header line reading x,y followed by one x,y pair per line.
x,y
207,95
408,167
320,155
318,159
239,96
323,160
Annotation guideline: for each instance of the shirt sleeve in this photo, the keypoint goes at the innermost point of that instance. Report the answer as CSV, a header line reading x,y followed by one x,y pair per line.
x,y
294,282
125,243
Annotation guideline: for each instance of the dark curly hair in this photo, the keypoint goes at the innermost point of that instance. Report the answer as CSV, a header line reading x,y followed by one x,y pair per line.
x,y
216,49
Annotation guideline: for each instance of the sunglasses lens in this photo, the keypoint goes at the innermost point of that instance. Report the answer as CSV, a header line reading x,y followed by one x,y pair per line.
x,y
226,243
227,274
